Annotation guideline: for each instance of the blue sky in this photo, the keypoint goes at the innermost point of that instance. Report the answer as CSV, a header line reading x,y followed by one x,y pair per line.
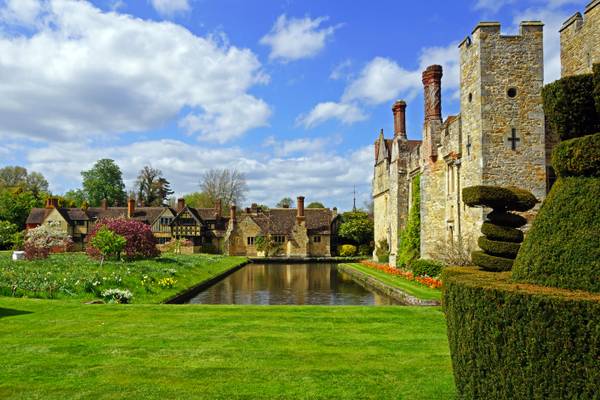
x,y
292,93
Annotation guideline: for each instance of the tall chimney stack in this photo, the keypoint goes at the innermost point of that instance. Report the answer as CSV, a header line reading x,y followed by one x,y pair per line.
x,y
399,110
180,204
432,82
232,214
300,214
130,208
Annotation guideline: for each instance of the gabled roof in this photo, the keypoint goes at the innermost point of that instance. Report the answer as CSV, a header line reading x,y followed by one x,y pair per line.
x,y
37,216
281,221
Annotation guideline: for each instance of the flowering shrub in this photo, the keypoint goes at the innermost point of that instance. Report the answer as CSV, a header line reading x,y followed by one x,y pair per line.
x,y
424,280
141,243
42,240
166,282
118,296
347,250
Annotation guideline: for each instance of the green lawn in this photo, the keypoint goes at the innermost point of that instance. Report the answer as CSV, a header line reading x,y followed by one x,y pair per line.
x,y
64,350
75,276
413,288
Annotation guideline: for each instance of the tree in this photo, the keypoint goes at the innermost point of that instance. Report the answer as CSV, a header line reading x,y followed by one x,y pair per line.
x,y
199,200
267,245
36,183
15,177
286,202
141,243
75,198
152,188
164,191
315,204
108,243
7,234
356,227
104,181
41,240
227,185
15,206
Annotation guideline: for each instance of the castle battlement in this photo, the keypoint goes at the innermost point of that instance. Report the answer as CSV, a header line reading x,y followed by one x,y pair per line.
x,y
580,41
486,30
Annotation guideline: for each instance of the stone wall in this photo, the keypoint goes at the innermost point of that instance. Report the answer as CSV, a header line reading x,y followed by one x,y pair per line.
x,y
580,41
320,249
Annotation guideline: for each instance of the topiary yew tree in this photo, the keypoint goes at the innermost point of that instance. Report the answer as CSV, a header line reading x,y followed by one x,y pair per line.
x,y
502,239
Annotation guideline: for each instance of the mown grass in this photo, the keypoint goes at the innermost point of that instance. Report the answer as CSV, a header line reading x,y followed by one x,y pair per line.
x,y
60,350
413,288
77,277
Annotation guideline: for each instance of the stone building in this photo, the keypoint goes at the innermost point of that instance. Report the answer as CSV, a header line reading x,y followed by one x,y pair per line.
x,y
497,139
580,41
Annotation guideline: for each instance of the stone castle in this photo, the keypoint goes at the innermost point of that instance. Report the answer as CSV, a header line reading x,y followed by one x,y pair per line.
x,y
499,137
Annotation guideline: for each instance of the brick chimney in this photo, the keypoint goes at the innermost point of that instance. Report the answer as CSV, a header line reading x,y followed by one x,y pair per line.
x,y
432,82
399,110
300,215
180,204
130,208
51,202
232,214
104,204
218,209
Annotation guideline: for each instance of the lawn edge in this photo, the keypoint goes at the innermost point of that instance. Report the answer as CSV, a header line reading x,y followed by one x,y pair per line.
x,y
371,282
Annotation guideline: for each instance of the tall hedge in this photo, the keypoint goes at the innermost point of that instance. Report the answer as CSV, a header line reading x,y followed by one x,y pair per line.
x,y
597,86
516,341
570,107
409,248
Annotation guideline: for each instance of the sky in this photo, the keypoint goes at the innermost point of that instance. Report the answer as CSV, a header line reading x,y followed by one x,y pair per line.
x,y
292,93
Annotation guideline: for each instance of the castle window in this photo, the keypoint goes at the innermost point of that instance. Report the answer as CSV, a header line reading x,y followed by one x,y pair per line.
x,y
250,240
279,239
470,97
316,239
512,92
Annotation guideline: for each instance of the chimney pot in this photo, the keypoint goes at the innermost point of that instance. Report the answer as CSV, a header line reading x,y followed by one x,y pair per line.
x,y
300,202
432,82
399,110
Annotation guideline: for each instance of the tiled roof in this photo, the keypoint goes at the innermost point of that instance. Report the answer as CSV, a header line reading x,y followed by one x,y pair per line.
x,y
281,221
37,215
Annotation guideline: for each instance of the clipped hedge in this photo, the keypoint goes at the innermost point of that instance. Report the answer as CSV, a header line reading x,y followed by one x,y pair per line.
x,y
498,248
502,233
578,157
508,220
515,341
491,263
499,198
426,267
597,87
562,248
570,107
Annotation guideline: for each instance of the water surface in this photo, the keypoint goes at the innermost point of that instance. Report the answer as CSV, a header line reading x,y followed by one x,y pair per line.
x,y
314,284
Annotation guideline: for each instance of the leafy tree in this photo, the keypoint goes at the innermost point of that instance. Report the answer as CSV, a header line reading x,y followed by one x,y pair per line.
x,y
108,244
104,181
36,183
315,204
7,234
228,185
75,198
356,227
199,200
286,202
15,177
267,244
152,188
15,206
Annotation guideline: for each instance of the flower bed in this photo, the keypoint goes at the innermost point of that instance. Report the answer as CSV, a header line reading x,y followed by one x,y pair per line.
x,y
424,280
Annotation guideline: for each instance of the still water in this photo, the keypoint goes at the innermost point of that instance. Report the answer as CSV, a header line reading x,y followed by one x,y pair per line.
x,y
316,284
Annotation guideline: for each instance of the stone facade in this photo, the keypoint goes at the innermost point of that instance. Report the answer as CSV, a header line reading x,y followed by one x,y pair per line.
x,y
498,139
580,41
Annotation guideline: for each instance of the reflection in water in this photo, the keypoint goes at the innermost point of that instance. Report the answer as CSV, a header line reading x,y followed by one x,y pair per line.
x,y
290,284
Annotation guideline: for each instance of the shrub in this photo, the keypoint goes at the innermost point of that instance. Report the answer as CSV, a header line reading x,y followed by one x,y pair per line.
x,y
506,219
347,250
498,248
409,248
7,234
597,87
499,198
356,227
502,233
365,250
561,248
108,243
18,240
491,263
42,240
570,107
383,251
117,296
267,245
141,243
514,341
426,267
578,157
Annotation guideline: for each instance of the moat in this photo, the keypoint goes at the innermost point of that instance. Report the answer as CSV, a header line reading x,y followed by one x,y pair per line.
x,y
291,284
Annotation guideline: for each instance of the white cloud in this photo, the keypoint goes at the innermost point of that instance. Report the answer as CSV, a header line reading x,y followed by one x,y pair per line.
x,y
86,73
492,5
296,38
300,167
344,112
171,7
342,70
302,146
24,12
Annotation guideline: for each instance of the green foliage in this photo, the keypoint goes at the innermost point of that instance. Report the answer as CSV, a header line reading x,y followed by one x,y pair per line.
x,y
365,250
561,248
347,250
506,219
570,107
424,267
382,251
108,243
17,178
409,248
491,263
7,234
15,206
18,240
315,204
499,198
286,202
75,197
501,233
356,227
104,181
499,248
152,188
597,87
578,157
199,200
267,245
514,341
